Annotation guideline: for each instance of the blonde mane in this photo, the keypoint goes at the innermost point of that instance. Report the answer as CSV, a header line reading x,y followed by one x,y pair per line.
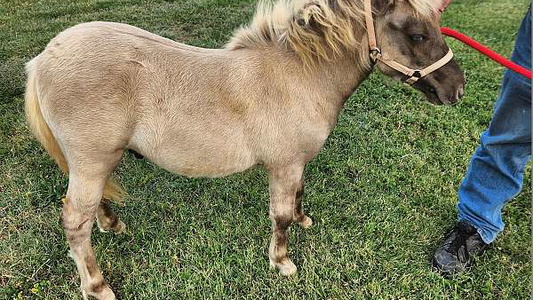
x,y
317,30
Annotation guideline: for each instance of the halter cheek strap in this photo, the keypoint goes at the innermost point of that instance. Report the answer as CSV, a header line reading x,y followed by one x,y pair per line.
x,y
375,53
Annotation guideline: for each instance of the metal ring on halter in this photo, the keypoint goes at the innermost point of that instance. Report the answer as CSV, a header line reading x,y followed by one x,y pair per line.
x,y
415,76
375,53
417,73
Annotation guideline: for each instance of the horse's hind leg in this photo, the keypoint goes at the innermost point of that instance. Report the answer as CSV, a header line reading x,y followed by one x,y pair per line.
x,y
85,189
107,219
299,215
284,183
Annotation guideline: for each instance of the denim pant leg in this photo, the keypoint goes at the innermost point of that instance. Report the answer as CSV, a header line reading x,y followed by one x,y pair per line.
x,y
495,173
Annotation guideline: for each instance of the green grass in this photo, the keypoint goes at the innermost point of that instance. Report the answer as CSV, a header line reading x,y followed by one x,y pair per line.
x,y
382,192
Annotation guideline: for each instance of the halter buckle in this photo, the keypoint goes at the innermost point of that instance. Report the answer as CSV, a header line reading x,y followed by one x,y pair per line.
x,y
375,53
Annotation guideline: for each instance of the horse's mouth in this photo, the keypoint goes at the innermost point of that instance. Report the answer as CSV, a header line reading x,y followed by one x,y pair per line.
x,y
433,97
439,96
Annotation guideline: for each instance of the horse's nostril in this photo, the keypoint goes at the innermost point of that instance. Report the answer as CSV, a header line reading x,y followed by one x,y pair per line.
x,y
432,90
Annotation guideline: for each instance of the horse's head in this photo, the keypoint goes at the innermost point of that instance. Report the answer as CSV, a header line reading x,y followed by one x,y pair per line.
x,y
413,39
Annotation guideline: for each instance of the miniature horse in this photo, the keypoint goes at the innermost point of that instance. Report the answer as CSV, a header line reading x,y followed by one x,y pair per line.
x,y
270,97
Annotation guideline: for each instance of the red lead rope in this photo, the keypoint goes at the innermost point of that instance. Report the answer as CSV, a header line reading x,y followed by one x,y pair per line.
x,y
486,51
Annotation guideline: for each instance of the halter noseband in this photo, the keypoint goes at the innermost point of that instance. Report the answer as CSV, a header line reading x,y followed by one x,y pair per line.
x,y
375,53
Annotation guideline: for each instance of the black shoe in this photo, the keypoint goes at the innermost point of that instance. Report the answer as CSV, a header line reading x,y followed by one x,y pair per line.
x,y
455,253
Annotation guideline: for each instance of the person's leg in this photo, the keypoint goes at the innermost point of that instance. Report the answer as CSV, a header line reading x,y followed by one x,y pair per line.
x,y
495,173
496,170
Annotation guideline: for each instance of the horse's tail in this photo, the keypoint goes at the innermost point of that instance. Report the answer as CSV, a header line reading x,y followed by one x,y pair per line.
x,y
112,191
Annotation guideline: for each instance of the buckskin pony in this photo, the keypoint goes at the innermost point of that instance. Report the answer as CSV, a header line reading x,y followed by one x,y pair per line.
x,y
270,97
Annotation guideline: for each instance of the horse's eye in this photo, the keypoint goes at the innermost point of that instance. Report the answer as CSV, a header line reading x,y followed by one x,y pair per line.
x,y
417,37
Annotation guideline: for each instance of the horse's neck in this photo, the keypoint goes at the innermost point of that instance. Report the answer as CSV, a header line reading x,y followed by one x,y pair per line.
x,y
337,81
344,75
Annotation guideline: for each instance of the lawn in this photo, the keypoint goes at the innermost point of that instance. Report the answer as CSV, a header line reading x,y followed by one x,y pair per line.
x,y
382,192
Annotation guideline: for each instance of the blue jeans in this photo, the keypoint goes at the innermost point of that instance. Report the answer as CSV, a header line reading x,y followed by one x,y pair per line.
x,y
496,171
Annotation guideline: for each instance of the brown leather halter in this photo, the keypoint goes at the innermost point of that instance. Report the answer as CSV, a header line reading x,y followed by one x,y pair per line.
x,y
375,53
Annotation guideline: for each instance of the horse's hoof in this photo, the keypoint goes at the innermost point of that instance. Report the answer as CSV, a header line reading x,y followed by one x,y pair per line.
x,y
104,294
306,223
101,229
119,228
272,264
288,268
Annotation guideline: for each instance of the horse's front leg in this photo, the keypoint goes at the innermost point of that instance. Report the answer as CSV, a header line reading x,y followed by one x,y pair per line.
x,y
299,216
285,183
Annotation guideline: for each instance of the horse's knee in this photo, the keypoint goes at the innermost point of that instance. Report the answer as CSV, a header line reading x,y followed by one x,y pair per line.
x,y
76,221
281,221
282,214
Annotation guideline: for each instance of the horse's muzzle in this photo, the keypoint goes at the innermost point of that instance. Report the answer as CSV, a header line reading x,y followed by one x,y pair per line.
x,y
444,86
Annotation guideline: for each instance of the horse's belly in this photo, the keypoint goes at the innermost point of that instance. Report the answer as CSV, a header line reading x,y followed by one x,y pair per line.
x,y
200,167
196,159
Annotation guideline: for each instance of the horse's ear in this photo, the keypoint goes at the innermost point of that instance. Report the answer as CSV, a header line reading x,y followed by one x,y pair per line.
x,y
334,4
383,5
310,15
443,5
